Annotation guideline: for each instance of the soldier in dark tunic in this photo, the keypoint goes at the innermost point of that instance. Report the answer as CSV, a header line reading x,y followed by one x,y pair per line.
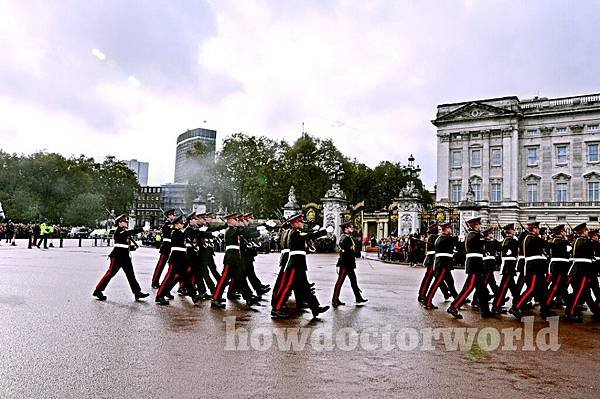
x,y
120,258
249,251
491,248
474,245
232,263
432,234
283,258
206,253
295,273
346,265
536,267
165,247
445,245
560,252
509,253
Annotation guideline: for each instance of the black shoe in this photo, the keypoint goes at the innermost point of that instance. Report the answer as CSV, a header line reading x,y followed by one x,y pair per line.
x,y
498,311
155,286
454,312
233,297
181,291
253,300
263,291
160,300
311,285
99,295
430,306
279,314
266,286
318,310
446,297
421,299
486,314
216,304
222,300
516,313
361,300
548,313
141,295
206,296
335,304
196,298
169,296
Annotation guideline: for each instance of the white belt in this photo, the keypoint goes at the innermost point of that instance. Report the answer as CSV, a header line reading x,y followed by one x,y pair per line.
x,y
121,246
489,257
227,248
474,255
180,249
285,251
582,260
292,253
188,245
508,258
444,255
559,260
521,257
535,257
166,240
430,252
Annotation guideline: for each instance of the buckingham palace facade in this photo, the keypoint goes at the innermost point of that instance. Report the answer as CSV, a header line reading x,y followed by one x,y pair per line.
x,y
525,160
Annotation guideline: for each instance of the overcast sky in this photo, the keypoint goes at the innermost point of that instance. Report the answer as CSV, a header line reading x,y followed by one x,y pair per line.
x,y
126,77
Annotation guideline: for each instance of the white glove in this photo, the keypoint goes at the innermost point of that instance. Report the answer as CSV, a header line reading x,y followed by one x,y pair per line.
x,y
203,228
316,228
508,252
271,223
146,228
261,228
215,233
330,229
569,248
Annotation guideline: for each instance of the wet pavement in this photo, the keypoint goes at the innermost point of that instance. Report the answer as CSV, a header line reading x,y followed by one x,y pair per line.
x,y
59,342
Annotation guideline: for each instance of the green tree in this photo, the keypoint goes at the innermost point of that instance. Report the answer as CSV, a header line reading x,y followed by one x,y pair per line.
x,y
85,209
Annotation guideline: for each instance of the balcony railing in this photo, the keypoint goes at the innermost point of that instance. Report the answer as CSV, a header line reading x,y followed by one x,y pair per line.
x,y
559,204
560,102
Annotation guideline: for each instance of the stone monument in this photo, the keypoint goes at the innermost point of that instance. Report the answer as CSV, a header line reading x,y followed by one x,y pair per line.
x,y
291,207
334,203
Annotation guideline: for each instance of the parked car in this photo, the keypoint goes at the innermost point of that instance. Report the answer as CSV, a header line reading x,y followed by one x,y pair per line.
x,y
99,233
79,232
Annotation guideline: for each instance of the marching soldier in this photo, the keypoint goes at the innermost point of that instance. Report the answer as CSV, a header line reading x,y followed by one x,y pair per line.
x,y
581,273
165,247
443,264
535,273
346,264
560,249
232,263
509,252
120,257
295,274
178,268
248,249
283,258
432,234
206,252
492,246
474,245
196,269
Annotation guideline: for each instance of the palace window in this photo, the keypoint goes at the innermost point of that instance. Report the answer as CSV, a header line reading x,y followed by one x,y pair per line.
x,y
561,130
456,158
475,158
532,132
532,192
593,152
593,127
496,157
456,192
496,192
560,192
561,154
476,191
593,191
532,156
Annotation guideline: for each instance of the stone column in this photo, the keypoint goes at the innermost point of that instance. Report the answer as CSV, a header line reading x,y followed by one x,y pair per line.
x,y
334,206
507,159
514,166
443,167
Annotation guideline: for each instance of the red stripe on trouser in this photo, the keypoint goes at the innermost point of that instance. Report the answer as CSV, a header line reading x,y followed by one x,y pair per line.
x,y
527,294
576,299
503,288
279,284
426,281
286,290
465,293
338,284
552,292
168,277
160,265
221,286
548,278
107,276
438,280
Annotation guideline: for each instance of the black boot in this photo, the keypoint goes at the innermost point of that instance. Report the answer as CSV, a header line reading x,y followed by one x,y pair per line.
x,y
217,304
160,300
361,300
141,295
454,312
336,303
318,310
99,295
515,312
279,314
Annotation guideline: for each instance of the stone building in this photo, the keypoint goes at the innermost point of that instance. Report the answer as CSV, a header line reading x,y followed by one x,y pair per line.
x,y
147,206
525,160
185,167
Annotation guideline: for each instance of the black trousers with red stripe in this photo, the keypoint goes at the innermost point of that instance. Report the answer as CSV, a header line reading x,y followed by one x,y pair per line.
x,y
558,289
177,273
296,280
537,287
232,272
475,281
277,286
443,279
506,283
447,286
343,272
160,265
580,282
117,263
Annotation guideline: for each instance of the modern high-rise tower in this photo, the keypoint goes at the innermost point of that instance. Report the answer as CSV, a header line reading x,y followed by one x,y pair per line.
x,y
184,166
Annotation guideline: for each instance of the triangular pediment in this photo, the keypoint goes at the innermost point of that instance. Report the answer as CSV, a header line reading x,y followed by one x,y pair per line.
x,y
473,111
